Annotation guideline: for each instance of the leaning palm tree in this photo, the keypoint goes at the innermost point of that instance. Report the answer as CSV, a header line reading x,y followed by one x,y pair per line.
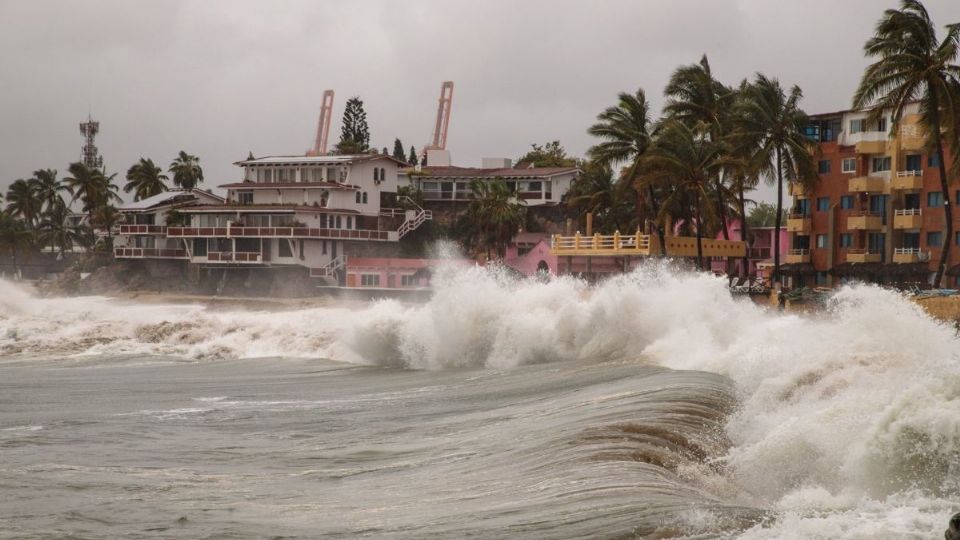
x,y
145,179
15,237
186,171
771,135
913,65
24,202
686,160
625,129
695,98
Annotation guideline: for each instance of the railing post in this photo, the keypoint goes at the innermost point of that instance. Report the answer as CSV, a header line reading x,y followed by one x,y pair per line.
x,y
616,240
576,240
596,240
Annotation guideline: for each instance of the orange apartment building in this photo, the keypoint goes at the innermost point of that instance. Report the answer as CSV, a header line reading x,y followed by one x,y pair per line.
x,y
877,212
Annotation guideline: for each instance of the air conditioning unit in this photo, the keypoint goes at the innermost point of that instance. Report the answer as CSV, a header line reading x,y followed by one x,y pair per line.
x,y
923,256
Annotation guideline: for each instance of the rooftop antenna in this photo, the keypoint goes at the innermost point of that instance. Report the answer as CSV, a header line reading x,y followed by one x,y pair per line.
x,y
323,125
90,156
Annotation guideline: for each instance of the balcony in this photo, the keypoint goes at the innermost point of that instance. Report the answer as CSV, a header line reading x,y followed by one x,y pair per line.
x,y
865,221
907,218
862,256
798,223
796,189
910,255
142,229
234,256
149,253
798,256
279,232
867,184
907,180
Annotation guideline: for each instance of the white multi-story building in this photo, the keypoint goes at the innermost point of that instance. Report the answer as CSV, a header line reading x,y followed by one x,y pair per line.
x,y
534,186
307,211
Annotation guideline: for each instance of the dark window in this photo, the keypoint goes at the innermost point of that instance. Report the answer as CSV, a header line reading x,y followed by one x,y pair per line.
x,y
364,197
245,197
934,199
383,174
803,207
846,202
301,249
956,238
880,164
823,167
376,174
882,124
934,239
358,197
846,240
823,204
933,160
199,247
283,248
911,240
913,162
820,278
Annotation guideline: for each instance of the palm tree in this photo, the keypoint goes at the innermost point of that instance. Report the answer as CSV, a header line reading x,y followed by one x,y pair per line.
x,y
57,230
14,237
186,171
686,160
91,186
23,201
771,134
625,130
611,202
697,99
913,65
145,179
49,189
104,217
495,214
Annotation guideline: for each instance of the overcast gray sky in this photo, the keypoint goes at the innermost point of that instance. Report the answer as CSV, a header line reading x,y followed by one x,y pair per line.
x,y
221,78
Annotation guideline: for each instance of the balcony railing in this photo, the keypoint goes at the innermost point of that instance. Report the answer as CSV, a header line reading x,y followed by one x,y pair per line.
x,y
277,232
860,255
868,184
798,223
149,253
907,218
234,256
908,255
865,221
143,229
797,256
907,180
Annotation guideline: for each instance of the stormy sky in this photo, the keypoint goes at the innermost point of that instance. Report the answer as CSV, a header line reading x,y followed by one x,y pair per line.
x,y
220,79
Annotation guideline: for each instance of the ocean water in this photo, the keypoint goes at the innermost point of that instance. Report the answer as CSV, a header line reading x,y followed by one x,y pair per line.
x,y
654,405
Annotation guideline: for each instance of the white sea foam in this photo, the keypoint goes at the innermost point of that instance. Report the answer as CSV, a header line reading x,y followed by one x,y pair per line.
x,y
849,420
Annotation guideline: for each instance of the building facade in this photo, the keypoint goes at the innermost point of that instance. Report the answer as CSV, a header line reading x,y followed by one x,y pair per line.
x,y
534,186
876,213
301,211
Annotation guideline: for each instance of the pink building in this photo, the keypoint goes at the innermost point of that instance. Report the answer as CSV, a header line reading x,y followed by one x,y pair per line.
x,y
760,254
529,253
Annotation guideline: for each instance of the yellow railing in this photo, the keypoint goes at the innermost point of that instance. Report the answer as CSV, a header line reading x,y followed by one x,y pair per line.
x,y
642,245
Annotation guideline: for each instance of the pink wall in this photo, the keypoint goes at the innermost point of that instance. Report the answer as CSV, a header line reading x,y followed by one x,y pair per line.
x,y
760,250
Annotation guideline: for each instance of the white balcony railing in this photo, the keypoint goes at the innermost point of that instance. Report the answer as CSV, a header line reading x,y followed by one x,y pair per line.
x,y
902,174
907,212
906,251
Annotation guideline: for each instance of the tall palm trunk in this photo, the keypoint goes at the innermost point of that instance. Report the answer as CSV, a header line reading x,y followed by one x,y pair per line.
x,y
696,197
656,223
722,211
779,221
945,187
744,232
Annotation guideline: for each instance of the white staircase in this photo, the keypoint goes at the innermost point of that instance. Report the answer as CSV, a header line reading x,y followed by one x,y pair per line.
x,y
420,216
331,268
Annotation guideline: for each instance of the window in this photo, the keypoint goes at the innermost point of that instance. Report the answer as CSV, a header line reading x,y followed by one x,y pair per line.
x,y
881,124
849,165
364,197
383,174
301,249
358,197
323,247
846,240
408,281
823,204
846,202
802,207
199,247
934,199
338,226
349,222
857,126
245,197
880,164
933,160
820,278
370,280
267,175
535,186
821,241
283,248
958,196
956,238
913,162
376,175
934,239
823,167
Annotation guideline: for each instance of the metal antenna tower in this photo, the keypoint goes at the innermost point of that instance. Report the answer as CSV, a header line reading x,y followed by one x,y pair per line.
x,y
91,156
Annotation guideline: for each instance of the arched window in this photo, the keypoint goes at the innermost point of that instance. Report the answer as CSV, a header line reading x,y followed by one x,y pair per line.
x,y
358,197
364,197
376,174
383,174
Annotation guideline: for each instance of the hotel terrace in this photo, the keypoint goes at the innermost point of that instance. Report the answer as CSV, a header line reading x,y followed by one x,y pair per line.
x,y
877,212
295,211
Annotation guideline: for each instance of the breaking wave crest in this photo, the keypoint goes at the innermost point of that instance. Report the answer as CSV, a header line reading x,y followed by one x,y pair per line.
x,y
843,416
